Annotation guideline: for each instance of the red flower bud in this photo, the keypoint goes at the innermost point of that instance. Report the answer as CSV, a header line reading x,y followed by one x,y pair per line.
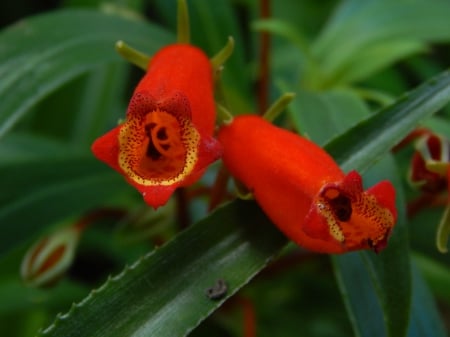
x,y
431,163
430,171
304,192
166,141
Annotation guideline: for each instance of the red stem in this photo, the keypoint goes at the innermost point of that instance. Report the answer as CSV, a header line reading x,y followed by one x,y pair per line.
x,y
410,138
219,189
99,213
248,310
183,217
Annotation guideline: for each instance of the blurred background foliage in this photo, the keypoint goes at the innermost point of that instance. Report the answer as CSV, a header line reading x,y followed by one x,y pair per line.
x,y
62,85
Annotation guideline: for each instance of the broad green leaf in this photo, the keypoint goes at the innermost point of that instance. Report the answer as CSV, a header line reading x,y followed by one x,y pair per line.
x,y
437,275
324,115
38,192
17,147
376,57
59,46
425,320
98,104
164,293
93,103
359,26
379,133
224,245
377,289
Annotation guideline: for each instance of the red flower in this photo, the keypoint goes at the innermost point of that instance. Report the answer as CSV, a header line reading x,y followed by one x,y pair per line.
x,y
304,192
430,171
430,166
166,141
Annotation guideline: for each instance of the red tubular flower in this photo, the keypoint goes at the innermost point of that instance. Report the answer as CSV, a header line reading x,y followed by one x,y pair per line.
x,y
166,141
304,192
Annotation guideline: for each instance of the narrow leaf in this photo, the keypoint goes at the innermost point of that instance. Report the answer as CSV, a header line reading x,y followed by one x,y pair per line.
x,y
324,115
164,293
377,288
379,133
361,25
425,320
58,46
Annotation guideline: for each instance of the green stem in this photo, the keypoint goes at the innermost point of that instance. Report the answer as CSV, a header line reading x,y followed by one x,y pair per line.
x,y
443,231
242,191
280,104
132,55
222,56
183,27
224,116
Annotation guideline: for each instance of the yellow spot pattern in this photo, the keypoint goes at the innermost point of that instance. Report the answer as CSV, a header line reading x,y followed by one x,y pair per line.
x,y
158,149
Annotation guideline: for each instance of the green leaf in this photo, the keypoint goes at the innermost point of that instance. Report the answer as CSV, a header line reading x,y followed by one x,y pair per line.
x,y
97,106
164,293
425,320
379,133
376,135
361,26
377,289
324,115
436,274
375,58
57,47
38,192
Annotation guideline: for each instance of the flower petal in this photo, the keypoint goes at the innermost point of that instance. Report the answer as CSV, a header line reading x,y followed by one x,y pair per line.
x,y
166,141
347,218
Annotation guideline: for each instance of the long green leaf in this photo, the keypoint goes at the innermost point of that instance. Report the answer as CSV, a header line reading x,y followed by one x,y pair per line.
x,y
359,27
368,141
58,46
324,115
236,235
377,289
164,293
425,320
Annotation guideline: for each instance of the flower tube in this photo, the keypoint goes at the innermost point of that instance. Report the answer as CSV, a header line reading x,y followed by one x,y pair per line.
x,y
166,140
304,192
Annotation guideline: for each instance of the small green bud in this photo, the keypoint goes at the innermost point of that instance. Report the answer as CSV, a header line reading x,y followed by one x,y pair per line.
x,y
49,258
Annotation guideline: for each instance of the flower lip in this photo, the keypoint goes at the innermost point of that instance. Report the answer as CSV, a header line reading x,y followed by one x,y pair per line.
x,y
430,163
380,244
353,218
158,144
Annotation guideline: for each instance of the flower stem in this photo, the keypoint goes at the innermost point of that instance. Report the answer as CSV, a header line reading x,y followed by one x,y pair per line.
x,y
224,116
222,56
278,106
443,231
183,28
219,189
132,55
